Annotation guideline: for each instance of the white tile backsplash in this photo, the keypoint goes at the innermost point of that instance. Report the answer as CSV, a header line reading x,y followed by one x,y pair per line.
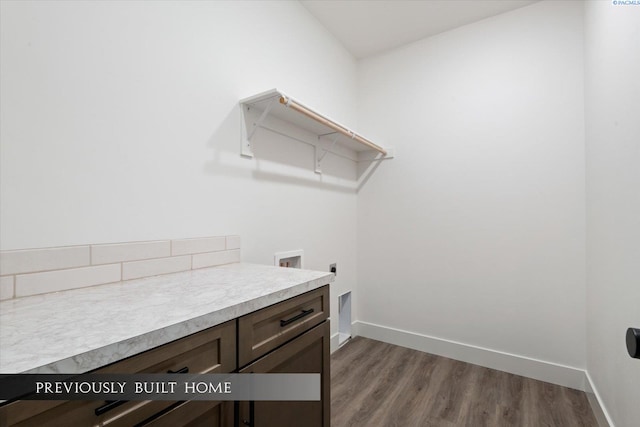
x,y
194,246
154,267
216,258
52,281
37,271
6,287
34,260
233,242
119,252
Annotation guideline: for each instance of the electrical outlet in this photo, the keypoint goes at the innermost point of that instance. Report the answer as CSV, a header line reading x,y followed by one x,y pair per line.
x,y
334,268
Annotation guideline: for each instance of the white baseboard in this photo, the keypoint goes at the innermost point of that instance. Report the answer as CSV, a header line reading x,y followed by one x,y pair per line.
x,y
597,406
566,376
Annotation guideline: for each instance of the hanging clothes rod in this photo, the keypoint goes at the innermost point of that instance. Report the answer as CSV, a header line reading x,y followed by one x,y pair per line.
x,y
287,101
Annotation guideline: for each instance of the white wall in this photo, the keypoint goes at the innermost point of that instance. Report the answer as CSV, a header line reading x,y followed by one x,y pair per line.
x,y
612,115
120,122
475,233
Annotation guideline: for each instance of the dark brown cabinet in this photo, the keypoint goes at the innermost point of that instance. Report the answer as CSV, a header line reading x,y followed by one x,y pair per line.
x,y
288,337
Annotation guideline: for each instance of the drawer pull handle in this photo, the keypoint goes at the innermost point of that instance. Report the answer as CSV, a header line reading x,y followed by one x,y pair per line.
x,y
302,314
179,371
110,404
251,421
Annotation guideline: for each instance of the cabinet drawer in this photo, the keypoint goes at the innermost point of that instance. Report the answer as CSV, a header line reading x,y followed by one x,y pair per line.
x,y
266,329
199,353
196,414
209,351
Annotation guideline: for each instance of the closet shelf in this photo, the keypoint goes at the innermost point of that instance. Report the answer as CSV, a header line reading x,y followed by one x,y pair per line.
x,y
276,104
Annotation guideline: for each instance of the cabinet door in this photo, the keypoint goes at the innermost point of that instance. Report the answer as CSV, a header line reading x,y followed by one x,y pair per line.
x,y
309,353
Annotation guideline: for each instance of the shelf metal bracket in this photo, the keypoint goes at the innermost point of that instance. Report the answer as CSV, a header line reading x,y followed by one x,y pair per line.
x,y
320,153
247,135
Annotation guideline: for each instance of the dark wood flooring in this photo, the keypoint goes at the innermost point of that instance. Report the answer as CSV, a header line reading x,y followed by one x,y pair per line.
x,y
379,384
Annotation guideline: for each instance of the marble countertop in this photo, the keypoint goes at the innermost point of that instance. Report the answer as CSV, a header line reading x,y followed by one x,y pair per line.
x,y
79,330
